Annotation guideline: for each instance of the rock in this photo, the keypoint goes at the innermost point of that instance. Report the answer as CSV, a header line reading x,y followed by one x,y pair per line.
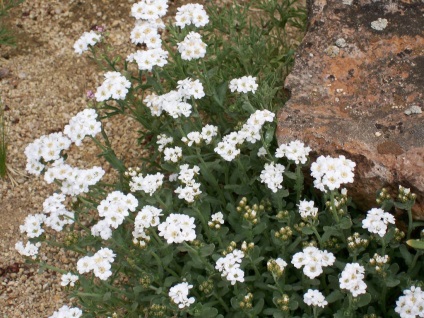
x,y
353,102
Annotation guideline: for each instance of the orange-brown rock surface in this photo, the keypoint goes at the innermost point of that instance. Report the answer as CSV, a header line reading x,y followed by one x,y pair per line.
x,y
353,83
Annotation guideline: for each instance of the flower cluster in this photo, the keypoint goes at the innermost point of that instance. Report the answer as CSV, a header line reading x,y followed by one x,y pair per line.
x,y
272,176
314,298
411,303
206,135
229,266
179,295
59,215
163,140
313,260
68,279
173,154
32,225
149,58
147,32
307,210
330,173
113,209
217,219
295,151
81,125
244,84
377,220
178,228
150,10
192,13
191,188
250,132
149,184
86,39
67,312
192,47
100,263
115,86
44,149
146,218
352,279
30,249
276,266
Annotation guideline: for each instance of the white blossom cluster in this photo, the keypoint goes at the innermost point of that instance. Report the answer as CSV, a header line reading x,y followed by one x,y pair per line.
x,y
147,32
175,102
86,39
313,260
173,154
178,228
352,279
307,209
206,135
190,189
59,216
192,47
67,312
149,58
115,86
244,84
32,225
179,295
272,176
114,209
250,132
192,13
330,173
217,219
411,303
295,151
163,140
100,263
68,279
314,298
30,249
81,125
46,148
74,181
146,218
377,220
150,10
148,184
229,266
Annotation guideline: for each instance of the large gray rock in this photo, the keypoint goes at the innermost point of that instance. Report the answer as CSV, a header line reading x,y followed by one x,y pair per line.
x,y
357,88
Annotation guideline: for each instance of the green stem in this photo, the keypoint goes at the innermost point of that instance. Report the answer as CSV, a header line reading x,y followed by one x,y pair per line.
x,y
414,261
221,301
409,210
315,311
333,208
299,182
317,235
205,225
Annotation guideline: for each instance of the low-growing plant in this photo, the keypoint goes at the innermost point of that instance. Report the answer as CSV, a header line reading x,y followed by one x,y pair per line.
x,y
216,220
6,36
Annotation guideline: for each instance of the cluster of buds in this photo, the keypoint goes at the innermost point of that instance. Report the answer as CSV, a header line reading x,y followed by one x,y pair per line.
x,y
246,248
281,215
332,243
339,204
283,302
383,195
230,248
206,287
371,316
265,205
250,213
132,172
311,243
406,195
298,227
284,234
71,239
355,242
216,221
156,311
246,303
145,280
378,262
399,235
276,266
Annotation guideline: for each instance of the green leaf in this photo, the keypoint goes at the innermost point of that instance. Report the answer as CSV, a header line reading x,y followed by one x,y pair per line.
x,y
207,250
345,223
334,296
405,254
238,189
307,230
270,134
417,244
363,300
107,296
258,308
258,229
391,282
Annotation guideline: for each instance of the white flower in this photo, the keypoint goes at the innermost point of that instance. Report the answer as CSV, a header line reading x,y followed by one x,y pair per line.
x,y
179,295
229,266
411,303
30,249
313,260
148,184
163,140
32,225
314,298
352,279
115,86
272,176
192,13
178,228
86,39
173,154
330,173
377,220
68,279
150,10
190,88
295,151
307,209
192,47
262,152
99,263
67,312
244,84
149,58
